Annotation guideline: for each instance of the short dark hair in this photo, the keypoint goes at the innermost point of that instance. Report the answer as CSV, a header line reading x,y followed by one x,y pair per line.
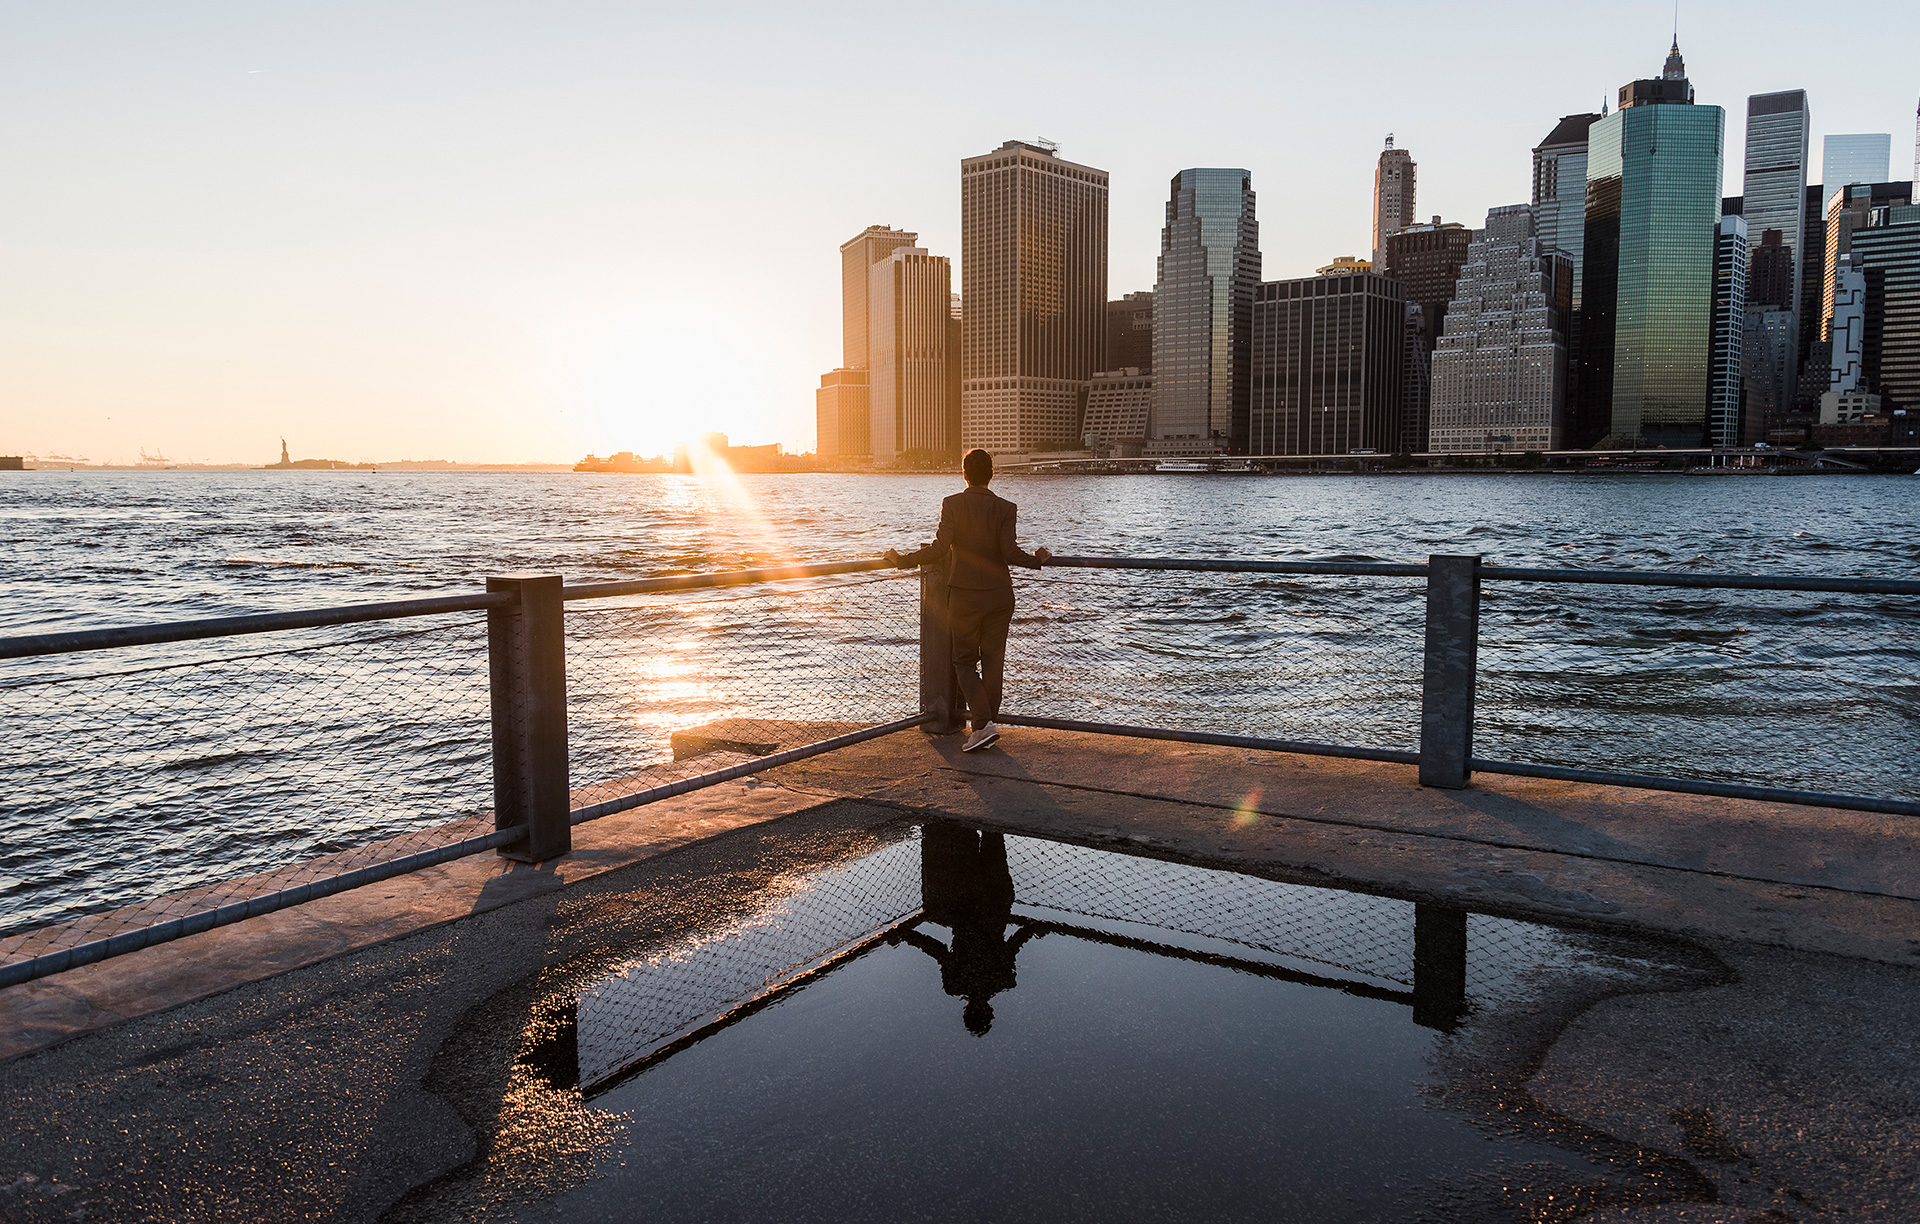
x,y
978,465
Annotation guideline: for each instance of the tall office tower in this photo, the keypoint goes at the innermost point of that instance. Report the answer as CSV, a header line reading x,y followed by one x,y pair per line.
x,y
1560,191
1426,260
1500,371
1653,201
1202,307
1726,377
1130,331
1887,252
858,254
1327,370
1847,208
1033,244
1812,276
1846,326
909,315
1392,197
1772,271
842,415
1772,337
1416,383
1860,157
956,329
1775,185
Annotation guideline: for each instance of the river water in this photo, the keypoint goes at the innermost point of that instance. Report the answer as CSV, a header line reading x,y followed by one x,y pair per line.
x,y
132,772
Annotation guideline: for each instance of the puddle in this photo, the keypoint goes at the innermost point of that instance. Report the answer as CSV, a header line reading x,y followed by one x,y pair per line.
x,y
963,1026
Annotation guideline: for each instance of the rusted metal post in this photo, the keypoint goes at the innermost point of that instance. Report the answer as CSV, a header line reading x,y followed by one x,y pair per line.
x,y
1446,700
527,662
939,688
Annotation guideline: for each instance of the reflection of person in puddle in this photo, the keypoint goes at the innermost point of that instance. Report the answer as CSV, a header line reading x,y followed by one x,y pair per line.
x,y
965,886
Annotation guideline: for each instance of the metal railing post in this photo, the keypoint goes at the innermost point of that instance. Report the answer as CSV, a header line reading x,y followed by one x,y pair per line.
x,y
939,689
1446,698
527,665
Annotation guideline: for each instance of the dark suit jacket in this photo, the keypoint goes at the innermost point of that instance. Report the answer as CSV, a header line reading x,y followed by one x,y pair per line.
x,y
976,538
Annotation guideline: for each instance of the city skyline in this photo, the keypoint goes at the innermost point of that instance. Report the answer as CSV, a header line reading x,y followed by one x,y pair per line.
x,y
385,235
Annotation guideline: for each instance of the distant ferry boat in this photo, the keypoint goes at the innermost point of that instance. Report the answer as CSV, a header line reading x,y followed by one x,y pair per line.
x,y
1238,468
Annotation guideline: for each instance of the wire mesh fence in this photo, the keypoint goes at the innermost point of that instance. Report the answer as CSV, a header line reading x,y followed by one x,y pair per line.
x,y
1802,690
1323,659
140,794
802,663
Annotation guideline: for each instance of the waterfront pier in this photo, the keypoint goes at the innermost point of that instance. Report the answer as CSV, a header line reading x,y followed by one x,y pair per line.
x,y
1721,1032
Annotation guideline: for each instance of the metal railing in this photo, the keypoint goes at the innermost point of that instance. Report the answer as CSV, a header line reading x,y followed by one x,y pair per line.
x,y
154,795
336,762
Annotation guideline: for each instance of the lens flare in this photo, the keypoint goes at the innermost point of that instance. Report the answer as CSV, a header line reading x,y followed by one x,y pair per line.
x,y
711,468
1246,812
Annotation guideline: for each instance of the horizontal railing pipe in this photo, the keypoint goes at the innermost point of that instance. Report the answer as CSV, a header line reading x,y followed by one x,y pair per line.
x,y
695,582
1390,569
1695,786
33,645
60,961
1741,582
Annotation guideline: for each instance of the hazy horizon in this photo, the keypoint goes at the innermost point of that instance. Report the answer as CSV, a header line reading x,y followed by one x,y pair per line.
x,y
516,237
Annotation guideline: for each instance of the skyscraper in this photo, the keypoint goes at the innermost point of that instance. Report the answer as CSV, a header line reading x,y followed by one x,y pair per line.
x,y
1426,260
1034,271
1202,308
1775,193
858,254
1130,331
1327,353
1560,191
1727,370
1887,252
1393,201
1653,204
909,316
1857,157
1500,371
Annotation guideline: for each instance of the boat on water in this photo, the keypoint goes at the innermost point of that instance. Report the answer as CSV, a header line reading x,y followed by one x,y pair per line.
x,y
1239,467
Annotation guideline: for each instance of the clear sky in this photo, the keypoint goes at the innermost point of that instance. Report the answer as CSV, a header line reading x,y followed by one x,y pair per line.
x,y
506,232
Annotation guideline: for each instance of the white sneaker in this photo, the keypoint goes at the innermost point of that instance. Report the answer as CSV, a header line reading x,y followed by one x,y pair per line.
x,y
983,738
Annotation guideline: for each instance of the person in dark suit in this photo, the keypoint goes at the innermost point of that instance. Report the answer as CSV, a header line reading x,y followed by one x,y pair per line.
x,y
976,541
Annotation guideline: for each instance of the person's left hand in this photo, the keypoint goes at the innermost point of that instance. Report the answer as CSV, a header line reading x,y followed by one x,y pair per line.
x,y
1043,555
893,557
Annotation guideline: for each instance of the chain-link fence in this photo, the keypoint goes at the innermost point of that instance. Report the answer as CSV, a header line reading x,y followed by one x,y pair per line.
x,y
640,1006
137,794
1316,658
1803,690
801,663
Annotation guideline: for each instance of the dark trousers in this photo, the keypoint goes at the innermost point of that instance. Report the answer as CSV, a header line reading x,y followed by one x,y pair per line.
x,y
977,623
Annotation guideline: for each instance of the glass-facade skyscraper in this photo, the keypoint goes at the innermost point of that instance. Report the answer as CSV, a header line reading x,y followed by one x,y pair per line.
x,y
1560,191
1653,207
1887,252
1855,157
1775,199
1727,371
1202,312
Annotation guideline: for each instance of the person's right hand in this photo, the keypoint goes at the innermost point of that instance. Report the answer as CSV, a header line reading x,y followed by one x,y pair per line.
x,y
1043,555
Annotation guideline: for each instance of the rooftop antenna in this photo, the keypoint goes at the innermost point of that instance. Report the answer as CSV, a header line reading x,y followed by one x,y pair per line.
x,y
1051,146
1389,140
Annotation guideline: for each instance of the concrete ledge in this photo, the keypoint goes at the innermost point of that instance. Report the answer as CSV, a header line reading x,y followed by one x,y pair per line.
x,y
37,1014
